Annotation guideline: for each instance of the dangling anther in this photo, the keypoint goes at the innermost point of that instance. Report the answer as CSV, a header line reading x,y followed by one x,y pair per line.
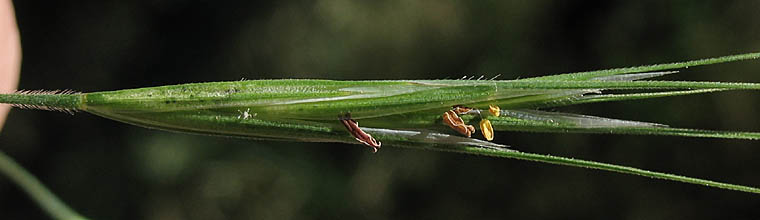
x,y
353,127
460,110
453,120
485,125
486,129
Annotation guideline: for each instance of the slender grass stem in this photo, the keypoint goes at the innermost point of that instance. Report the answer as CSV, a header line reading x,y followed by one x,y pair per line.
x,y
609,167
32,186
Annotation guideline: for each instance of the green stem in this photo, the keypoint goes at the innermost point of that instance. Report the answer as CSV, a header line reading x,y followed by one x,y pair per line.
x,y
45,100
49,202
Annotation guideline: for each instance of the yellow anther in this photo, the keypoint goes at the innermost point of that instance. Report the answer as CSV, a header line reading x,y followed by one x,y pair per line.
x,y
487,129
495,110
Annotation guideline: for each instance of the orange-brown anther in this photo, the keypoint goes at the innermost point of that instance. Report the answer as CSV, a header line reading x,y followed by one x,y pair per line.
x,y
453,120
461,109
470,129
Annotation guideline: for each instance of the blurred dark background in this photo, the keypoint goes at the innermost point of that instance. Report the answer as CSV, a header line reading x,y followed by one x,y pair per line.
x,y
110,170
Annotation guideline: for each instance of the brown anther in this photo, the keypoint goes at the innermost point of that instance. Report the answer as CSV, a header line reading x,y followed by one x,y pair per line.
x,y
353,127
453,120
486,129
461,109
495,110
470,129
